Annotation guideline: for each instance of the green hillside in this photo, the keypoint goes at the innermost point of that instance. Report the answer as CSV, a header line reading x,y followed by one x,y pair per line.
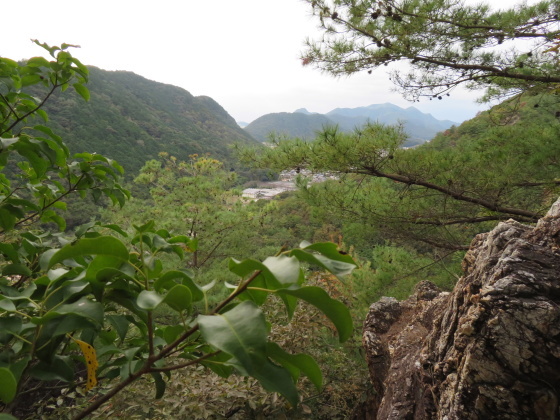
x,y
132,119
302,124
523,117
294,124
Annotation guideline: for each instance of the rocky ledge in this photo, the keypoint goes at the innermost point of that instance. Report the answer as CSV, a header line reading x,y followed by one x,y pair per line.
x,y
488,350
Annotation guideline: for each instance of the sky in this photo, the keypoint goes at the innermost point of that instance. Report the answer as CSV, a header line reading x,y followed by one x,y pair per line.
x,y
244,54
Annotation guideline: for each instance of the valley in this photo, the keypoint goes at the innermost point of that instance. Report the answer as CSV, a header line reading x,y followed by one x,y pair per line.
x,y
160,260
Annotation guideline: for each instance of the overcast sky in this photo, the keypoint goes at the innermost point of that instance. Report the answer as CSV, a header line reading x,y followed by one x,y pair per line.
x,y
244,53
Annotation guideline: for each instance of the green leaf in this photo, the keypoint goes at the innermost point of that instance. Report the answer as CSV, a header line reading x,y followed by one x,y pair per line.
x,y
241,332
30,79
82,91
38,62
179,298
6,305
52,216
83,307
69,323
159,383
4,416
9,141
58,369
169,279
102,245
7,219
327,256
171,333
149,300
120,323
116,228
285,269
43,114
16,269
335,310
218,364
100,270
8,385
296,363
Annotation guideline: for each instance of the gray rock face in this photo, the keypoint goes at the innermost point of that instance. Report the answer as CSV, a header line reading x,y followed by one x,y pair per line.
x,y
488,350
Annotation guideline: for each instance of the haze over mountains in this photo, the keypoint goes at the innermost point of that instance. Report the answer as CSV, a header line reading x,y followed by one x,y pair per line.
x,y
132,119
419,126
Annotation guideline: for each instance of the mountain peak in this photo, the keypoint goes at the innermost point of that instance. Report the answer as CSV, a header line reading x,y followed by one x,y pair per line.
x,y
304,124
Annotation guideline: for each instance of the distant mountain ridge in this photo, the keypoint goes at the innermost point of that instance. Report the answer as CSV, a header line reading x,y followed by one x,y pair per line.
x,y
303,124
132,119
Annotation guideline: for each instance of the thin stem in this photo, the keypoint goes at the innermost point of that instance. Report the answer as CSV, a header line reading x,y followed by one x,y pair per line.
x,y
186,364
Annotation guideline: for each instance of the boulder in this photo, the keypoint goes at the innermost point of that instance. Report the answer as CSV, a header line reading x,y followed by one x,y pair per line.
x,y
488,350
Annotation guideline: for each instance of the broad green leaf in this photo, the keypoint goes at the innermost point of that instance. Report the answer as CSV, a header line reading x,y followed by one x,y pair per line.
x,y
120,323
52,216
7,219
169,279
274,378
8,141
10,252
127,300
17,269
241,332
38,62
43,114
8,385
102,245
146,227
4,416
149,300
9,326
58,369
6,305
83,307
171,333
82,91
335,310
285,269
179,298
30,79
296,363
19,367
100,270
218,364
327,256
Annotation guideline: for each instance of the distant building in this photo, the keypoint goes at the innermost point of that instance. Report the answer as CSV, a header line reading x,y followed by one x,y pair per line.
x,y
262,193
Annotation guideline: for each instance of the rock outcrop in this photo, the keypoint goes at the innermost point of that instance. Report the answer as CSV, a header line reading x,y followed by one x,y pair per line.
x,y
488,350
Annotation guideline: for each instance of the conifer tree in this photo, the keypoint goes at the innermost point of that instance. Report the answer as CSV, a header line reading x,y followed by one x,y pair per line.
x,y
445,42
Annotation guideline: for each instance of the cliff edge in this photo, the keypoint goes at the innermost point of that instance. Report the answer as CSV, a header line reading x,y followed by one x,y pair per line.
x,y
488,350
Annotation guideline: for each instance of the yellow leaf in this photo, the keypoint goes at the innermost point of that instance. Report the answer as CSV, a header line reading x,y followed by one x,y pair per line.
x,y
91,363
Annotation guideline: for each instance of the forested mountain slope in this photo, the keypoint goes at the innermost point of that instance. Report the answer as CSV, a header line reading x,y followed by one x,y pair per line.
x,y
303,124
523,114
132,119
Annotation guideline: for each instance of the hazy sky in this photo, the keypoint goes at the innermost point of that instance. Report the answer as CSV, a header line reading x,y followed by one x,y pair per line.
x,y
244,53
